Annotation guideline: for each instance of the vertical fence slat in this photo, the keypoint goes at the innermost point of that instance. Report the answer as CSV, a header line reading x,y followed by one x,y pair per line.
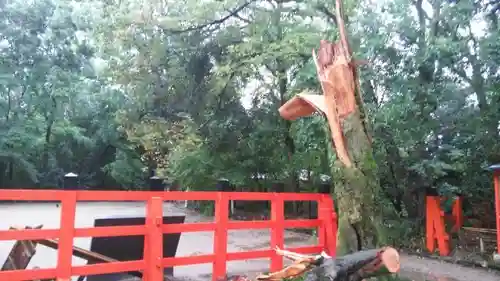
x,y
153,243
65,252
322,226
329,225
220,236
442,235
496,181
277,230
146,249
457,211
429,226
335,227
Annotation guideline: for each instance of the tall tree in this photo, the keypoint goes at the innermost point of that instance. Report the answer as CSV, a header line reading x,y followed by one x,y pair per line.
x,y
357,188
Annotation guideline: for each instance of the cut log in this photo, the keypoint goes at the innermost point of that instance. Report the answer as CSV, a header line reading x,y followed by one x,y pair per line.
x,y
356,266
374,263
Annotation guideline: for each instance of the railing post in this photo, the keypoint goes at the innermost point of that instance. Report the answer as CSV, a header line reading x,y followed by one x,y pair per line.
x,y
278,229
322,226
335,227
66,232
328,229
435,226
457,212
429,225
153,240
496,182
220,235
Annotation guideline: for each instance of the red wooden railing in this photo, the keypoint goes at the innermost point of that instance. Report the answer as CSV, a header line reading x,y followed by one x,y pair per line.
x,y
153,262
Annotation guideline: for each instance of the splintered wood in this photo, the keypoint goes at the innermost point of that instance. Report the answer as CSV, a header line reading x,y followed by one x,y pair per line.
x,y
338,78
301,264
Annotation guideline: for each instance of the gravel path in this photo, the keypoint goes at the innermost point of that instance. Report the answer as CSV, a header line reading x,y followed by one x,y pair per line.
x,y
197,243
424,269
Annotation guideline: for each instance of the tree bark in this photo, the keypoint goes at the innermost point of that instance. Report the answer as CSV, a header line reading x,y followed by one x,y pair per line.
x,y
357,192
357,187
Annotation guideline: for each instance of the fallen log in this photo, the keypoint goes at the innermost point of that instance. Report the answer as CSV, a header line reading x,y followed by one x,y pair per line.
x,y
352,267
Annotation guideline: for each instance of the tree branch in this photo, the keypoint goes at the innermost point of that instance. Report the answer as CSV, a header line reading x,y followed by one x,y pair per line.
x,y
495,8
231,14
237,15
324,10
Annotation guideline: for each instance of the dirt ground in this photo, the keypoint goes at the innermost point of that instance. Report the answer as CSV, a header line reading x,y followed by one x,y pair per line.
x,y
197,243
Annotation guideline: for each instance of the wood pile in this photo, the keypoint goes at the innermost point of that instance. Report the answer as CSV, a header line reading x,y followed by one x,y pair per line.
x,y
481,240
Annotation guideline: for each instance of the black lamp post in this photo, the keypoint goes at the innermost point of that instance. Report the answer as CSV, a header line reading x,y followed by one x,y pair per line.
x,y
156,184
224,185
325,186
70,181
278,187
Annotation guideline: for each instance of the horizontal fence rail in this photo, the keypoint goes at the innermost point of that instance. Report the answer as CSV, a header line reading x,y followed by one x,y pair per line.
x,y
153,261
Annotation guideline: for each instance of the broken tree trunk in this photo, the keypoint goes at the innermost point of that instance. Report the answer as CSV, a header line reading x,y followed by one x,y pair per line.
x,y
357,189
357,266
352,267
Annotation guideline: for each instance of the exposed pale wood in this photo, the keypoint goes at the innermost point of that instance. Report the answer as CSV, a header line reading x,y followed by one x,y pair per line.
x,y
301,264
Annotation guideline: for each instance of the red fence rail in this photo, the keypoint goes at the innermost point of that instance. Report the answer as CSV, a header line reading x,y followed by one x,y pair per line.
x,y
153,261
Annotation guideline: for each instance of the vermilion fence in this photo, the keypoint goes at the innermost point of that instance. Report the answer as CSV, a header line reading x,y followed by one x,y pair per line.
x,y
153,261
